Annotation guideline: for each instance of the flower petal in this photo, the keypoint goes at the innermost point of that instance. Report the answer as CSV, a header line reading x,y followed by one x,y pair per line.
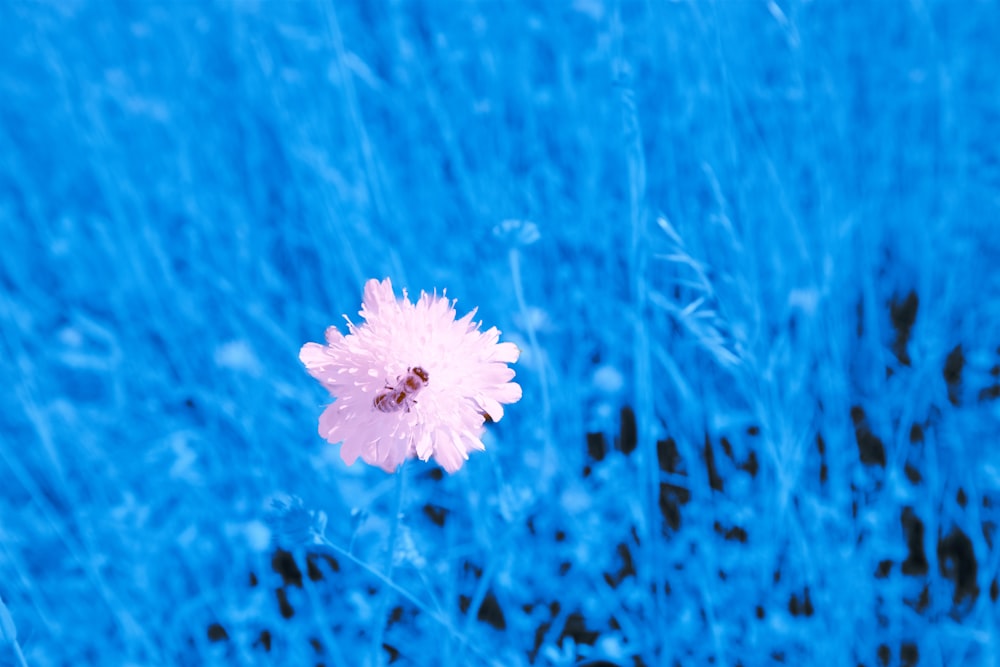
x,y
505,352
435,414
450,454
317,361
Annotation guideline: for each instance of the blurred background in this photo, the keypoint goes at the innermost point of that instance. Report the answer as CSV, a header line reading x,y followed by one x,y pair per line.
x,y
749,250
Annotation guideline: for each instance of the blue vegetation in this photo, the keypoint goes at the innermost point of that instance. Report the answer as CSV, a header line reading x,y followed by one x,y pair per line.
x,y
749,249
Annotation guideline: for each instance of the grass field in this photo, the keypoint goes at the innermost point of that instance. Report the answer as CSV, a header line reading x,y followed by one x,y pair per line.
x,y
749,249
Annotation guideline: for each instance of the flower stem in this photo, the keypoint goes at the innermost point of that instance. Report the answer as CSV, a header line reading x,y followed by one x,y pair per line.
x,y
377,654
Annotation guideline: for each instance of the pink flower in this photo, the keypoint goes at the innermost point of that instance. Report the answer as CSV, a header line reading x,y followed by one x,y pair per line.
x,y
412,380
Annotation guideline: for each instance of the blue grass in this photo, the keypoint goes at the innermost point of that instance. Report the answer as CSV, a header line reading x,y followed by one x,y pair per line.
x,y
749,251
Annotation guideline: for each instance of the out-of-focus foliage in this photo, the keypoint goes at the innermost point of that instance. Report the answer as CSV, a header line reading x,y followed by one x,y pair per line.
x,y
749,250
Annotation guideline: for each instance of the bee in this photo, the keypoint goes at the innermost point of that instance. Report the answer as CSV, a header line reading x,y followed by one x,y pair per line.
x,y
400,397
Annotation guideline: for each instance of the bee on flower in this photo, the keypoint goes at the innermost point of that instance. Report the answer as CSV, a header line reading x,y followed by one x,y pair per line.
x,y
412,380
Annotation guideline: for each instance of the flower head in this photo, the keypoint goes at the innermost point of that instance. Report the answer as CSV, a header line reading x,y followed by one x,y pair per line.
x,y
412,380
